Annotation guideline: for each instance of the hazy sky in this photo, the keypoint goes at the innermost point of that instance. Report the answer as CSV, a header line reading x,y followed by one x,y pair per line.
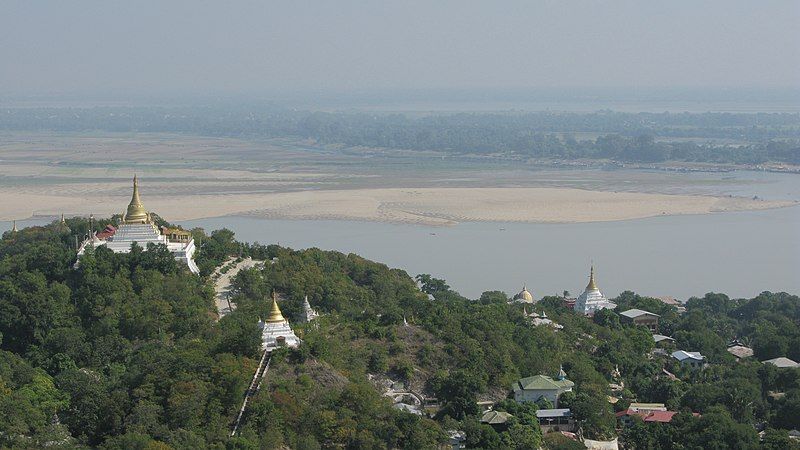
x,y
262,46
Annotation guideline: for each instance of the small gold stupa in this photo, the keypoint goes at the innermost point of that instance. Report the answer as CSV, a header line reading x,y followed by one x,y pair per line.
x,y
275,315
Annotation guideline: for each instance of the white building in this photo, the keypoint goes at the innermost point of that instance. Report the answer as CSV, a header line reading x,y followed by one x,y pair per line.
x,y
693,360
275,331
137,226
533,389
592,300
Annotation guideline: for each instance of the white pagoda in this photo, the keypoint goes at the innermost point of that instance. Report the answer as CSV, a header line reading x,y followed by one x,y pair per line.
x,y
275,331
137,226
308,312
592,300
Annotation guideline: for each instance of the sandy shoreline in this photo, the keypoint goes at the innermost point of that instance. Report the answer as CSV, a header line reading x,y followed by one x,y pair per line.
x,y
426,206
185,178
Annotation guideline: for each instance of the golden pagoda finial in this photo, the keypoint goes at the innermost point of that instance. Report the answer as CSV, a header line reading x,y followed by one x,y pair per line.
x,y
275,315
14,227
136,212
63,221
592,286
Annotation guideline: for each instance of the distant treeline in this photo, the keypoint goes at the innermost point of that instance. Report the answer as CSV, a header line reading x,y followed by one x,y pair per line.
x,y
627,137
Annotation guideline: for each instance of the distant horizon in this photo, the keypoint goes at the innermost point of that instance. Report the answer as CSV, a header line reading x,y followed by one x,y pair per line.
x,y
781,99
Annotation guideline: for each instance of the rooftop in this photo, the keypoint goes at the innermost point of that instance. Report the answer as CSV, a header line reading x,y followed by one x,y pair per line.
x,y
782,362
647,406
542,382
650,416
495,417
635,313
667,300
553,413
682,355
661,337
601,445
740,351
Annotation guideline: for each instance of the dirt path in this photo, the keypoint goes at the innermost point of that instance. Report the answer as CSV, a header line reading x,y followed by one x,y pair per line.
x,y
222,287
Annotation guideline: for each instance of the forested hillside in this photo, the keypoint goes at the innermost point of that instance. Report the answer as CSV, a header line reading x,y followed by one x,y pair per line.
x,y
125,352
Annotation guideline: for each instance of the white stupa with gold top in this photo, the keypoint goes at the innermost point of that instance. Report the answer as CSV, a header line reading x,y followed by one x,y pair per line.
x,y
592,300
275,331
137,226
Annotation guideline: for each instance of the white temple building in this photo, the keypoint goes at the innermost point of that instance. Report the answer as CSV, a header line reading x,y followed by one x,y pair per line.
x,y
592,300
275,331
524,296
137,226
309,313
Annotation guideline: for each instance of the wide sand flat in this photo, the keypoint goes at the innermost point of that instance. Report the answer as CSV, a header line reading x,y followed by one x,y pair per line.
x,y
429,206
184,177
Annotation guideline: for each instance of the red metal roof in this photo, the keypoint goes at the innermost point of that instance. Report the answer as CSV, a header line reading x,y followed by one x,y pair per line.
x,y
652,416
660,416
107,232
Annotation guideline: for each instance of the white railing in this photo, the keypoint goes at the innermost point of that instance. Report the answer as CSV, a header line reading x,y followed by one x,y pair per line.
x,y
255,385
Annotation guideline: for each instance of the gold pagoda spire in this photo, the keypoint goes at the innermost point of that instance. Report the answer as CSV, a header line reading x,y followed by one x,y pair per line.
x,y
14,227
275,315
63,221
136,211
592,286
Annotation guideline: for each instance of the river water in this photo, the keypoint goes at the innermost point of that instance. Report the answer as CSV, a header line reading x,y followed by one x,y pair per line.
x,y
741,253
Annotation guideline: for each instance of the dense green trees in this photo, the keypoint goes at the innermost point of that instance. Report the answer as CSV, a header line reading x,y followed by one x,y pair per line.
x,y
123,344
124,352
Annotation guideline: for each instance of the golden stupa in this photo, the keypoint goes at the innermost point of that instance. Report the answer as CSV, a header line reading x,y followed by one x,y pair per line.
x,y
275,315
591,286
136,212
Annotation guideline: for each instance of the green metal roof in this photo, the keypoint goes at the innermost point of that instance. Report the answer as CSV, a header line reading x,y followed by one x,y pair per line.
x,y
539,382
495,417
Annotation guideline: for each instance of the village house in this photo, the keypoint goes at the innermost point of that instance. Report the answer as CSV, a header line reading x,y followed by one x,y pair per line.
x,y
671,301
662,340
740,352
641,317
783,363
496,419
556,420
542,387
648,412
693,360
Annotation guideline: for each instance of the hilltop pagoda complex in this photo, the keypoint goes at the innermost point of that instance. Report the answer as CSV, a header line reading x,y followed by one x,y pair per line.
x,y
138,226
275,331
